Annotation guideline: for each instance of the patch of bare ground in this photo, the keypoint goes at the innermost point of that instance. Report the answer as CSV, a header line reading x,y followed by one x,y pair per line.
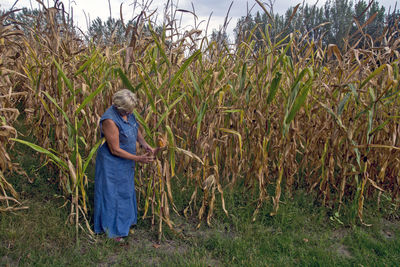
x,y
7,261
339,234
343,251
112,260
190,230
388,228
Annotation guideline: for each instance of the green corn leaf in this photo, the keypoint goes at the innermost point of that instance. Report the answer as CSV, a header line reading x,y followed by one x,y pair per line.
x,y
165,114
298,103
334,115
274,87
171,148
294,101
182,69
87,80
152,86
358,154
295,86
144,124
243,77
395,66
370,122
81,121
195,84
153,59
279,61
354,91
83,141
90,97
147,92
200,117
380,127
46,107
68,187
155,39
283,40
86,64
59,85
59,108
64,77
69,100
262,74
371,113
125,80
91,154
372,75
372,94
37,84
248,92
342,103
267,34
42,150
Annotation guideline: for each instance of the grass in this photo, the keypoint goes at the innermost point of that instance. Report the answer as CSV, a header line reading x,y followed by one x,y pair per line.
x,y
301,234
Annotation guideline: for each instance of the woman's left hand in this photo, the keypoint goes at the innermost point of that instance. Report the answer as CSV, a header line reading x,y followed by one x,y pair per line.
x,y
149,149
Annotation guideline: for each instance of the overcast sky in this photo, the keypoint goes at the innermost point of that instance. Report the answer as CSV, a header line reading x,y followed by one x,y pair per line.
x,y
203,9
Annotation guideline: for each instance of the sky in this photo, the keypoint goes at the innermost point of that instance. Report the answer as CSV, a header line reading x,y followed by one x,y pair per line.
x,y
203,9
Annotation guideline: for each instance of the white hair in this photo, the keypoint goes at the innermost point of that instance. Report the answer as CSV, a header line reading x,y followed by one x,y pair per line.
x,y
124,100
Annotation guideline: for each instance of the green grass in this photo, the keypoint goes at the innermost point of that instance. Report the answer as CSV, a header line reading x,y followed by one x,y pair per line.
x,y
302,234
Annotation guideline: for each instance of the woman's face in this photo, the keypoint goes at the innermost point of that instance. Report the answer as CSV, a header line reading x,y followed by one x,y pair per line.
x,y
124,113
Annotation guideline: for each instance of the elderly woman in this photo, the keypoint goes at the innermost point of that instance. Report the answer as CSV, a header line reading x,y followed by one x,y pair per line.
x,y
115,208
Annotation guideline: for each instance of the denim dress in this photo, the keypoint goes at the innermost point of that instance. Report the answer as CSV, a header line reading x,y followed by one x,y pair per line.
x,y
115,207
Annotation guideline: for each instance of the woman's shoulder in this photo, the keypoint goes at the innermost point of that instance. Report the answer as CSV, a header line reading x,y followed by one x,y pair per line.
x,y
108,114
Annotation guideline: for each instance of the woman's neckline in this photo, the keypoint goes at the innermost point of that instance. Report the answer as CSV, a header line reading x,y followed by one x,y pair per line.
x,y
123,117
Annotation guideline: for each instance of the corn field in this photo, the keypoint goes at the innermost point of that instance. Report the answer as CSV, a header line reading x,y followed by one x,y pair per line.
x,y
293,114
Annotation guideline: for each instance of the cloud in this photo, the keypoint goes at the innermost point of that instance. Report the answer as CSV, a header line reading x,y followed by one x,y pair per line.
x,y
220,7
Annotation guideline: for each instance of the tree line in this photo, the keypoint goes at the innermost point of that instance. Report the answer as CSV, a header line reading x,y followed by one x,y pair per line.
x,y
335,22
332,23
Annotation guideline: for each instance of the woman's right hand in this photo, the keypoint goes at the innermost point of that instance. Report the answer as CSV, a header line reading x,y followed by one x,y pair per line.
x,y
146,158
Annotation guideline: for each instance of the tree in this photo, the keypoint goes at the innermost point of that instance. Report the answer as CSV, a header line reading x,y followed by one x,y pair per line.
x,y
220,38
108,32
375,28
43,21
330,23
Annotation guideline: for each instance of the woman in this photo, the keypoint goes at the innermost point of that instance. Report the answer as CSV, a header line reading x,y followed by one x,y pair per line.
x,y
115,208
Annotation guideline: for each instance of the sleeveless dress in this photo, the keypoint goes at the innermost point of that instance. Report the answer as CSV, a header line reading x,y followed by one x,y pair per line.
x,y
115,207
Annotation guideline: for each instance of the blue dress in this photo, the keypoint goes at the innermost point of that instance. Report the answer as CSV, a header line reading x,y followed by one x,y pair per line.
x,y
115,207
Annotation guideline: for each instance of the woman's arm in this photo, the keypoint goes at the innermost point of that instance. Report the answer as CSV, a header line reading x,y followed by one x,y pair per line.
x,y
111,133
